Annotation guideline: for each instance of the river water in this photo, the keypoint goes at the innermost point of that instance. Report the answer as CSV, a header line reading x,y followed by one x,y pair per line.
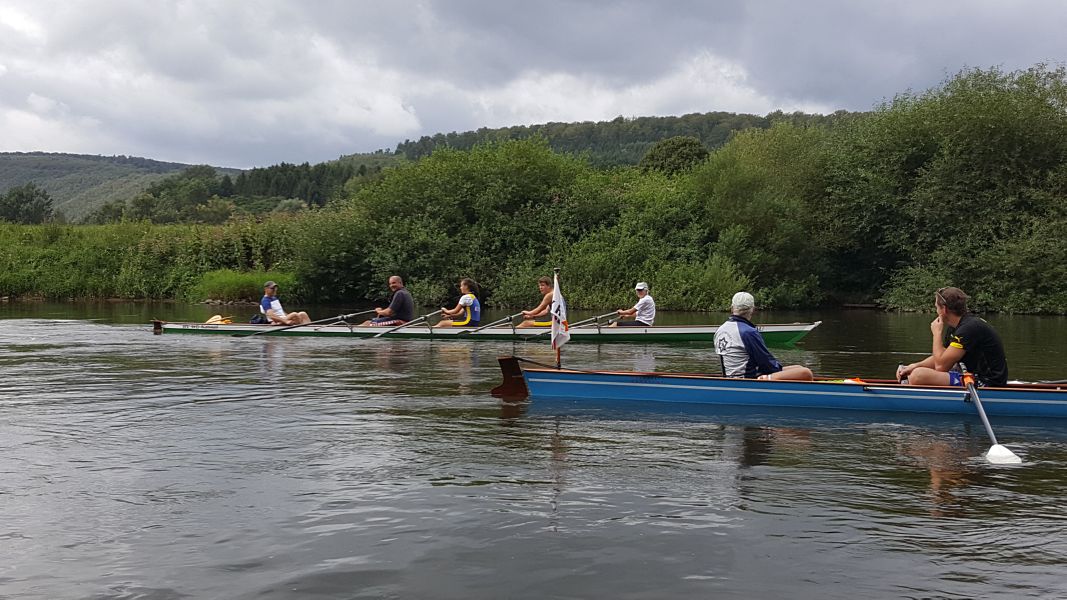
x,y
165,467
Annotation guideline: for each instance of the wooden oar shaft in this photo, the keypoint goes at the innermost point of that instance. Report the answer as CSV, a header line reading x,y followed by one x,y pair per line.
x,y
287,327
591,319
409,323
497,322
578,324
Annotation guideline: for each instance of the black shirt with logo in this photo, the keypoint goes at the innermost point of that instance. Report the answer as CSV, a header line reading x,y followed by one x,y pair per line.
x,y
983,350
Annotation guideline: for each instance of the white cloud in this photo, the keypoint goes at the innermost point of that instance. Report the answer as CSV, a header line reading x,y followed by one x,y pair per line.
x,y
18,22
241,84
703,83
44,105
28,131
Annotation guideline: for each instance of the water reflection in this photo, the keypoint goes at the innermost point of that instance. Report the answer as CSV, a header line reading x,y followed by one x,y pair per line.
x,y
292,468
510,411
782,445
951,467
557,469
272,359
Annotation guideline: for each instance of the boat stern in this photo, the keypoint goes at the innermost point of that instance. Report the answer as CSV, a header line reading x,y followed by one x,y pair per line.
x,y
513,387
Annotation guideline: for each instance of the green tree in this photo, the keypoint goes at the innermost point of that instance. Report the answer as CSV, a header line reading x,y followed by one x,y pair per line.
x,y
674,155
26,204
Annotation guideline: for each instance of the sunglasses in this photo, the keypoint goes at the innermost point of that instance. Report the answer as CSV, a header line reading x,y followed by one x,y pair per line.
x,y
942,296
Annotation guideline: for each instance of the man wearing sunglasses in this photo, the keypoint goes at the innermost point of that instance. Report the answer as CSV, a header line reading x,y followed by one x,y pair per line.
x,y
972,343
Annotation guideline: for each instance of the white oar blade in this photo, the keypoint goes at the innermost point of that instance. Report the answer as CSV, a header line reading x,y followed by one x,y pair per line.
x,y
999,455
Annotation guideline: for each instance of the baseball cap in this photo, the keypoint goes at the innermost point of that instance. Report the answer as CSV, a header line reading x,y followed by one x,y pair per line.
x,y
641,285
270,284
743,300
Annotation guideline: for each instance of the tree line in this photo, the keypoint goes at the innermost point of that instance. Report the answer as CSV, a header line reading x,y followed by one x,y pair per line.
x,y
199,195
963,184
619,142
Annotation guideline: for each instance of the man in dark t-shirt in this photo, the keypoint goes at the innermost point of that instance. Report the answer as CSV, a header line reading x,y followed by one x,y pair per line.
x,y
973,343
401,307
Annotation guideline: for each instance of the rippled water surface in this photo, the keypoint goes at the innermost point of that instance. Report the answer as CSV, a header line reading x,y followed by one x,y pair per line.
x,y
159,467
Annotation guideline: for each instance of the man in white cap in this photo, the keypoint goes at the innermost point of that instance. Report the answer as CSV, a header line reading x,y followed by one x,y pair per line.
x,y
644,311
742,350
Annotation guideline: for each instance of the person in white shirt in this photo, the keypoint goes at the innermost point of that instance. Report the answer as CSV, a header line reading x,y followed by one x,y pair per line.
x,y
644,312
271,307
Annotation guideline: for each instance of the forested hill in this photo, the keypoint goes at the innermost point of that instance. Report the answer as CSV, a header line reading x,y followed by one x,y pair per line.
x,y
621,141
80,183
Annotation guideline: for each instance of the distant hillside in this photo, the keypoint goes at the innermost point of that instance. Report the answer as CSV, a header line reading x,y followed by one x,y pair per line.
x,y
621,141
80,183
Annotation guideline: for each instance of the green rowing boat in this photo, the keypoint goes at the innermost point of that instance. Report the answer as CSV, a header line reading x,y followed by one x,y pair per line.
x,y
776,334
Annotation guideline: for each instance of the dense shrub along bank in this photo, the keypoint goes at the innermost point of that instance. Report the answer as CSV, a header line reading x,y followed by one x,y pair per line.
x,y
965,184
134,260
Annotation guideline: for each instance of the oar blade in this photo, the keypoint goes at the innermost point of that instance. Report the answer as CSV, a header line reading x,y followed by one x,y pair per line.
x,y
999,455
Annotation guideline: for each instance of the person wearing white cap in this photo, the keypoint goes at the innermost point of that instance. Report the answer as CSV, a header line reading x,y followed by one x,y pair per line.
x,y
644,312
742,350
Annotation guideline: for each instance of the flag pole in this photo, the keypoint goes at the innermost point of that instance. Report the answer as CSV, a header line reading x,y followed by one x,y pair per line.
x,y
555,272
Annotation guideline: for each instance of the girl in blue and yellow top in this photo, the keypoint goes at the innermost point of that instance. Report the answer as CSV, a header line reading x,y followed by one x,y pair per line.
x,y
468,311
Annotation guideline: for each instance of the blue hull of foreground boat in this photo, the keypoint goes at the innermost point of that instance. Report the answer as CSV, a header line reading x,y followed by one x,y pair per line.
x,y
1024,400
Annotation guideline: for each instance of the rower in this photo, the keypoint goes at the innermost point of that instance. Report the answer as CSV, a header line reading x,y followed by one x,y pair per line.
x,y
742,350
271,307
401,307
644,312
468,311
539,317
973,343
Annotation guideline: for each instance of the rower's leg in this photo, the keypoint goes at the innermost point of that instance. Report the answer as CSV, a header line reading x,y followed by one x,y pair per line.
x,y
792,373
928,376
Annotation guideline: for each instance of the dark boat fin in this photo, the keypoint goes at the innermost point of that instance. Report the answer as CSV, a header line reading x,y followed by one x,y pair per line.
x,y
513,387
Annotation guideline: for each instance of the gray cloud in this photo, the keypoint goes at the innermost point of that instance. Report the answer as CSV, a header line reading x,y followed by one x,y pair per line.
x,y
242,84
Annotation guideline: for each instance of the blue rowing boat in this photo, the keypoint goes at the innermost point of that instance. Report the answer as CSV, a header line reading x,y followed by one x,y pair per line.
x,y
1014,400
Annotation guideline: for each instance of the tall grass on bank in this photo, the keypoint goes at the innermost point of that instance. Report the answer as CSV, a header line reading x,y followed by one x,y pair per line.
x,y
135,260
234,286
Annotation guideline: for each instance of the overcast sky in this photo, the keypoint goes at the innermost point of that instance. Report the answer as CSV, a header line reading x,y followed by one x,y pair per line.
x,y
254,83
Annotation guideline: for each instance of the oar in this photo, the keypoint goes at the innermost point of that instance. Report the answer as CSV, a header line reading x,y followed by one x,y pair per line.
x,y
578,324
996,454
498,322
277,329
409,323
590,320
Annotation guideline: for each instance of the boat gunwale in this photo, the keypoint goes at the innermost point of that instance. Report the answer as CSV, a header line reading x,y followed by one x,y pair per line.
x,y
820,380
532,331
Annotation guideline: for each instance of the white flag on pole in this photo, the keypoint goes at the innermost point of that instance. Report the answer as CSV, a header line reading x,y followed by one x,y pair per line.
x,y
558,310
